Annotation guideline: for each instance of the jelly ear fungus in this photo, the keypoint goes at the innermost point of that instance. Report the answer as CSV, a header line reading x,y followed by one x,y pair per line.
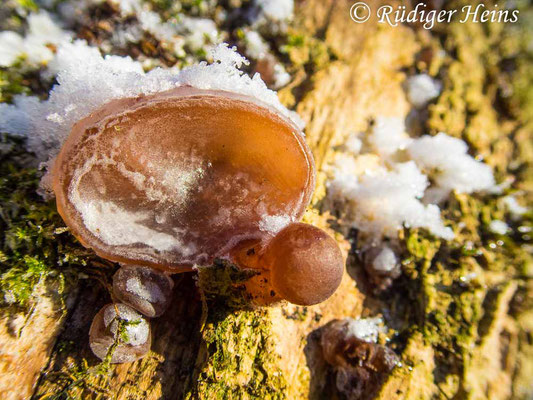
x,y
182,177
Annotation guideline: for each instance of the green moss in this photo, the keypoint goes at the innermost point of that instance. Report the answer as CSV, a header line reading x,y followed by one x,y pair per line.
x,y
34,243
237,359
29,5
12,82
222,287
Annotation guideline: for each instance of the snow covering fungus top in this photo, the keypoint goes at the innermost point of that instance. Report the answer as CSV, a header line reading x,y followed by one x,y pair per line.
x,y
86,81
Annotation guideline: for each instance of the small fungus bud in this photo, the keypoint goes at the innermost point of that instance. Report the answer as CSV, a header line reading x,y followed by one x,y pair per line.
x,y
306,264
119,329
179,177
147,290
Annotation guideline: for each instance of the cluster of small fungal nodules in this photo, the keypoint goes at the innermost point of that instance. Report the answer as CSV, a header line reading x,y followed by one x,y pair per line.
x,y
359,364
182,177
121,330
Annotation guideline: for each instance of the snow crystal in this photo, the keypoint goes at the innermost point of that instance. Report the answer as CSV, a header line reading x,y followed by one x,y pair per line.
x,y
275,10
86,81
385,261
137,332
381,202
274,223
366,329
498,227
42,31
388,136
421,89
515,209
446,159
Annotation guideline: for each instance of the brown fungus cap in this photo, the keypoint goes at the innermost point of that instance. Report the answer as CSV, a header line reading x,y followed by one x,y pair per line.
x,y
177,178
306,264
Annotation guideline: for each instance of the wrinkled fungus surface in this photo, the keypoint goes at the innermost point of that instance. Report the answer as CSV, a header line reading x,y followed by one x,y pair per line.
x,y
360,366
178,178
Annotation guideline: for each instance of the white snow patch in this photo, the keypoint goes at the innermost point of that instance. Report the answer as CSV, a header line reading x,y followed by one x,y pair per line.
x,y
281,76
256,47
200,32
515,209
381,202
276,10
388,136
385,261
117,227
11,45
445,158
498,227
366,329
353,144
421,89
378,195
42,31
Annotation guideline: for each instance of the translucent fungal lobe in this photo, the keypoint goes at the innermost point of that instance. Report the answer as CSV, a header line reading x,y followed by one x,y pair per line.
x,y
147,290
120,326
180,177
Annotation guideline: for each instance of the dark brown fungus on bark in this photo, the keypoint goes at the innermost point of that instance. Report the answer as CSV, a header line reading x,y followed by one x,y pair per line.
x,y
359,366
